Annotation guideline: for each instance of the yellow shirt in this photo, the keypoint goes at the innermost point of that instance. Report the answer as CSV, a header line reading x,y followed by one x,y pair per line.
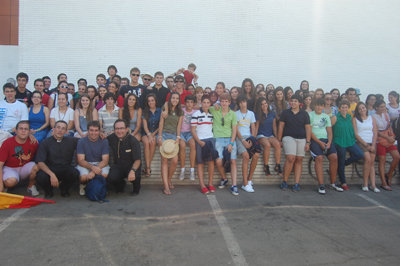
x,y
352,109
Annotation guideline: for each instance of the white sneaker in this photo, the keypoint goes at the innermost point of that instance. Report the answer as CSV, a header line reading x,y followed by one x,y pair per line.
x,y
248,188
182,175
250,183
335,187
192,175
33,191
365,189
82,189
321,190
376,190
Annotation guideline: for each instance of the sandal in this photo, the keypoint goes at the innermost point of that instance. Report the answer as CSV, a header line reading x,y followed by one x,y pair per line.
x,y
388,181
278,168
387,188
148,172
266,169
167,192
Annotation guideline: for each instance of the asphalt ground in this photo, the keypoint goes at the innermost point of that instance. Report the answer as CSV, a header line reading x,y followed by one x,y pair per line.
x,y
268,227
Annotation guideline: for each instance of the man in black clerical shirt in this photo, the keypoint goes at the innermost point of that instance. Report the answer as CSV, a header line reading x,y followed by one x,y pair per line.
x,y
54,159
124,158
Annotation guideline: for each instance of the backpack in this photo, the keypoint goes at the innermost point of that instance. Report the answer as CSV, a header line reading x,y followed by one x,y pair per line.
x,y
96,189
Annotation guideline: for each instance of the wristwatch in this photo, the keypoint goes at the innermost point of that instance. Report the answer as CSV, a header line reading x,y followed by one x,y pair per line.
x,y
133,169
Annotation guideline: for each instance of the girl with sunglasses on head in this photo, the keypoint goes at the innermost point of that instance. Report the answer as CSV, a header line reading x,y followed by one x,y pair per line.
x,y
61,88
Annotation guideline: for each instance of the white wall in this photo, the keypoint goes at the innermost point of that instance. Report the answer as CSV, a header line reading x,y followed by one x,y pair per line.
x,y
331,43
9,59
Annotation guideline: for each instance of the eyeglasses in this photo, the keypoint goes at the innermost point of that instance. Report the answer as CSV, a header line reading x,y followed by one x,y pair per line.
x,y
223,121
135,75
147,79
64,87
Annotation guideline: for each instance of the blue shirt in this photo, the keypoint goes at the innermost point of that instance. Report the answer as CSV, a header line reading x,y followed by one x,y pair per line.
x,y
93,151
266,125
154,120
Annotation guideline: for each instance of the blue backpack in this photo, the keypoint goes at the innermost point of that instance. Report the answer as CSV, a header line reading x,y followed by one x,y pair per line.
x,y
96,189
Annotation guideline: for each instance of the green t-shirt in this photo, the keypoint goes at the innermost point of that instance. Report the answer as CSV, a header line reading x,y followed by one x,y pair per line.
x,y
171,123
319,123
343,131
225,130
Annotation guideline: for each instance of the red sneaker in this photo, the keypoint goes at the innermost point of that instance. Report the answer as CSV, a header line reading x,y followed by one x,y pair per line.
x,y
345,187
204,190
211,189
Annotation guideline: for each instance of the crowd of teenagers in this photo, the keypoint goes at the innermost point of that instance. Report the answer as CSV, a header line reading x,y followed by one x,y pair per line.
x,y
54,137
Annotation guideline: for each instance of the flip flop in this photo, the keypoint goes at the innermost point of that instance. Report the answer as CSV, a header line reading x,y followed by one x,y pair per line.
x,y
387,188
167,192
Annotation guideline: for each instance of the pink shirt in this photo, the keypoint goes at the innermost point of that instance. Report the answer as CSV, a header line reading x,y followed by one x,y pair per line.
x,y
187,118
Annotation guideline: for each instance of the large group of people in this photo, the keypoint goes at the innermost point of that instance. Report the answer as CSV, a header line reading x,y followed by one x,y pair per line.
x,y
57,136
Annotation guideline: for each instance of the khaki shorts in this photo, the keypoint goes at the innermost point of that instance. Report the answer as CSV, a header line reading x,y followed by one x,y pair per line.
x,y
292,146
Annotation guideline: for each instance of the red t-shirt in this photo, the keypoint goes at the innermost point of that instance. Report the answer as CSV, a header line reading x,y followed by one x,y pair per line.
x,y
188,76
120,101
45,99
183,95
14,154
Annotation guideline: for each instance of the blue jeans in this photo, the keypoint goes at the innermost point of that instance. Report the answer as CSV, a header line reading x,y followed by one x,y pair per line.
x,y
355,154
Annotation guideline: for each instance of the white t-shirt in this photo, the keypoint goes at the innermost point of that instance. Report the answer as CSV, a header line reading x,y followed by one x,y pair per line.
x,y
244,122
11,114
393,112
67,116
203,123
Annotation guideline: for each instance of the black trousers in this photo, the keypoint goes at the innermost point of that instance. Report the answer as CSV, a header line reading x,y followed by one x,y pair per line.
x,y
118,173
66,176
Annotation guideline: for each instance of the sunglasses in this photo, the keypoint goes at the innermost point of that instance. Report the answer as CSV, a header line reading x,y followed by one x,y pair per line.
x,y
147,79
64,87
135,75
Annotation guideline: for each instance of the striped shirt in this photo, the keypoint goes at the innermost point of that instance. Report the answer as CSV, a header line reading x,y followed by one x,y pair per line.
x,y
203,123
108,119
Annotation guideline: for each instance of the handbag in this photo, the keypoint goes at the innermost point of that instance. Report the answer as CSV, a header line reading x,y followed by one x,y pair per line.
x,y
387,132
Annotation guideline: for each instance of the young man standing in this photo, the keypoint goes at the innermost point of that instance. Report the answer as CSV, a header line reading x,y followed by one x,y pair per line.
x,y
321,144
47,84
23,94
180,88
54,159
125,158
158,89
134,86
246,128
202,131
93,155
295,135
224,128
39,86
352,98
11,110
170,83
16,159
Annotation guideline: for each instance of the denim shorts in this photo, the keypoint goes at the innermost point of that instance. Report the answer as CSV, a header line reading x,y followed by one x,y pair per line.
x,y
240,147
186,136
166,136
221,143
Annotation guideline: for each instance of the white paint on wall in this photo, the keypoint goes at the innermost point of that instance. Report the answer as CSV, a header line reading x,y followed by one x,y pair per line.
x,y
331,43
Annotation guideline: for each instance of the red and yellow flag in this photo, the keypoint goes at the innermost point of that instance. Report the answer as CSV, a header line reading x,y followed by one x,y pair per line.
x,y
12,201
